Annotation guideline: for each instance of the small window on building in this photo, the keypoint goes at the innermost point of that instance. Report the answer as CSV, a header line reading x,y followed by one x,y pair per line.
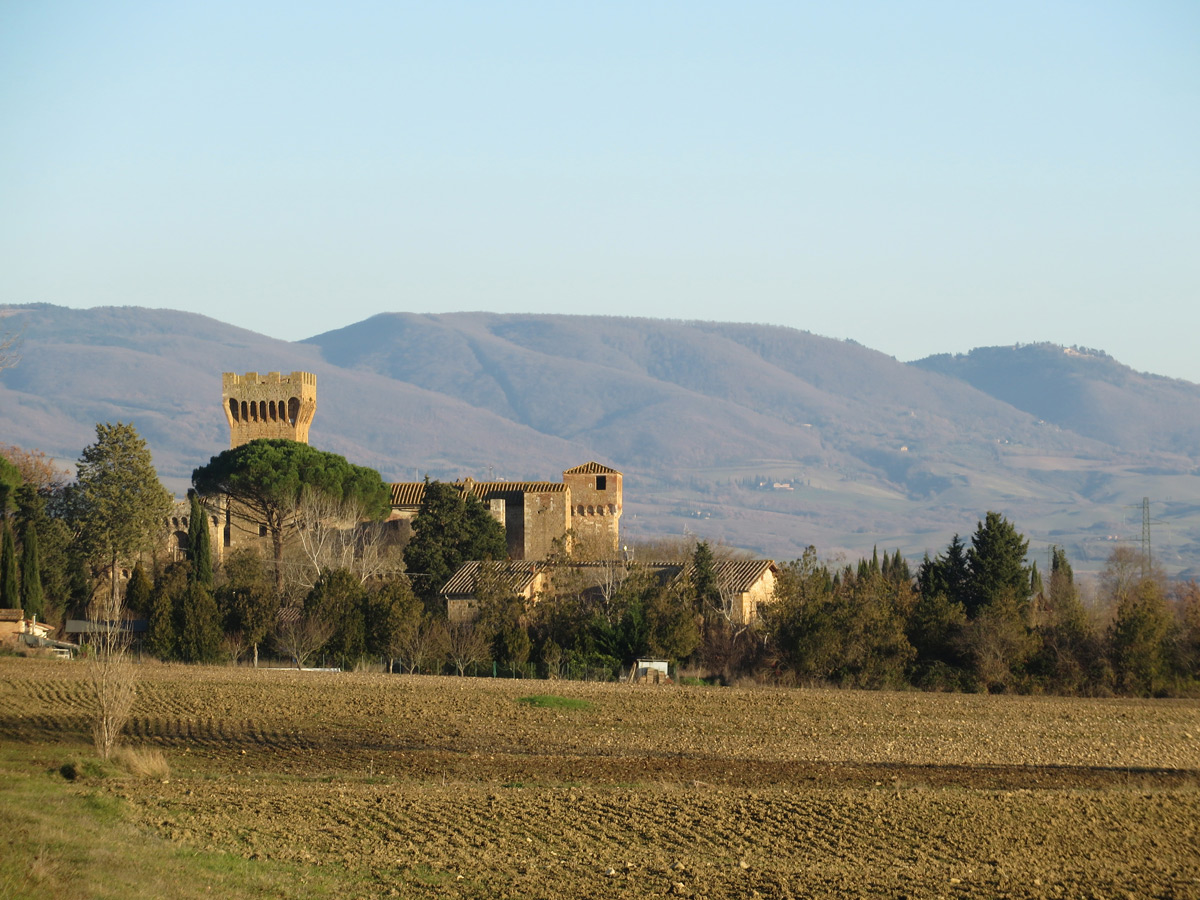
x,y
262,530
601,482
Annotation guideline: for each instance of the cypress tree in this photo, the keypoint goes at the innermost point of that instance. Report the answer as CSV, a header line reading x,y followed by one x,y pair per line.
x,y
10,589
166,614
200,545
200,635
704,578
139,591
160,639
33,600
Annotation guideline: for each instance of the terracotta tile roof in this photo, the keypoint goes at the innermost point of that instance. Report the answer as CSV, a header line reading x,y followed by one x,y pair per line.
x,y
738,575
517,574
410,494
482,489
591,468
11,615
407,493
742,574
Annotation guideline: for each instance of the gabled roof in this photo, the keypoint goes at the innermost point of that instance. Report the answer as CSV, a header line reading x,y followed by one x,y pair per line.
x,y
742,574
737,575
591,468
410,494
517,575
407,493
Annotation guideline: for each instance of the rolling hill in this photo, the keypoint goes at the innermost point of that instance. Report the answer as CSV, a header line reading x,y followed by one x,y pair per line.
x,y
764,437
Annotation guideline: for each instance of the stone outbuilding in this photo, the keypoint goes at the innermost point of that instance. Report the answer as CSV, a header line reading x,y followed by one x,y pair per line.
x,y
524,579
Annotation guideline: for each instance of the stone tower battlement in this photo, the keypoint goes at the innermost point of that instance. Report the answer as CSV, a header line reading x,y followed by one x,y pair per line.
x,y
268,406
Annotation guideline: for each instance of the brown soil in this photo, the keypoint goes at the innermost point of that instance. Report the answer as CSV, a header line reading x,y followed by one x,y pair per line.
x,y
420,786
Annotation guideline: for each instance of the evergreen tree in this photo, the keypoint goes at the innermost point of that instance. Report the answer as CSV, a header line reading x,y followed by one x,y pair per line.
x,y
1138,641
160,635
33,600
200,544
248,602
452,527
199,638
671,630
10,588
1062,578
1069,658
10,482
338,599
139,591
996,565
267,478
947,574
389,613
1035,580
703,577
935,628
166,612
122,503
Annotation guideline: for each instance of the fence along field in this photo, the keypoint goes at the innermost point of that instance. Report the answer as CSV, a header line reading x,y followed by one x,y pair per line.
x,y
461,787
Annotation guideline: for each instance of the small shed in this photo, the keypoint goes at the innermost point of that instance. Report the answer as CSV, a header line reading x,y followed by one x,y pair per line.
x,y
81,630
653,671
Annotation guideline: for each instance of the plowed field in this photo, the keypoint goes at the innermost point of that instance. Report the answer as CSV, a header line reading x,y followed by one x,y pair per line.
x,y
447,787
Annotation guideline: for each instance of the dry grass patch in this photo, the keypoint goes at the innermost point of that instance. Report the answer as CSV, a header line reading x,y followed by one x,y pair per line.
x,y
142,762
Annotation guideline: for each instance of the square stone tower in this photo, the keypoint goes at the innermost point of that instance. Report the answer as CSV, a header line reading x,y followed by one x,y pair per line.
x,y
268,406
596,505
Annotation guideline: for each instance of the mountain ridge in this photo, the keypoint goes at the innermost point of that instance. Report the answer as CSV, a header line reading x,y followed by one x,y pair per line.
x,y
703,417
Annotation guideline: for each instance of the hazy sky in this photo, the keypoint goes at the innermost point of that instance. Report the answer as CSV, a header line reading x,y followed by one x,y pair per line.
x,y
921,177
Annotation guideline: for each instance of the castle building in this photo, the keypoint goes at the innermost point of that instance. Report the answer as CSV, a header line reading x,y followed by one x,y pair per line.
x,y
537,515
584,508
270,406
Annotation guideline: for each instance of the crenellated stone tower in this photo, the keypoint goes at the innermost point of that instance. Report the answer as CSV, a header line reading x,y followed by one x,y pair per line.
x,y
268,406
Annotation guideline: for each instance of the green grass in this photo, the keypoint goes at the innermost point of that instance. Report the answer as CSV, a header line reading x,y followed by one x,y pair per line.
x,y
550,701
72,840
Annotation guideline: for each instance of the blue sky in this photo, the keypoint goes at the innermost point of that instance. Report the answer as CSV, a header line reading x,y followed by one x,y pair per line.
x,y
921,177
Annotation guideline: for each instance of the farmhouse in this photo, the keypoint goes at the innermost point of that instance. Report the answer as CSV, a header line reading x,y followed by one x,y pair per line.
x,y
744,584
18,631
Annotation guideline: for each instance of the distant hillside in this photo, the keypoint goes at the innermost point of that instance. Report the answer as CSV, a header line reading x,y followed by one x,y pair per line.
x,y
763,437
1086,391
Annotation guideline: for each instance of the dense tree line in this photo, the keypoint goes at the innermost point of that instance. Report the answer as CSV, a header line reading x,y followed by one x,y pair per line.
x,y
979,616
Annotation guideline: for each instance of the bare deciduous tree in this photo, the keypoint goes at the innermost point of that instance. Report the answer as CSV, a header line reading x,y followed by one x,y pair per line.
x,y
300,635
332,533
36,467
110,671
466,645
421,644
